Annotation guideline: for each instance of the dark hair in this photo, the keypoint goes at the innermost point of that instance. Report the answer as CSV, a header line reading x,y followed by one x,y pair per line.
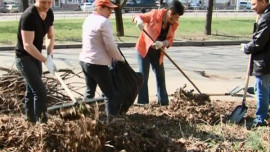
x,y
176,7
267,1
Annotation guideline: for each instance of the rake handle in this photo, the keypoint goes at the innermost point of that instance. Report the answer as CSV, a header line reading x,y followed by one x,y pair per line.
x,y
65,87
247,80
248,68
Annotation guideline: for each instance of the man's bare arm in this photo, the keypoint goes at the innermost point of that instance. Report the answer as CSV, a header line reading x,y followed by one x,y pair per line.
x,y
28,39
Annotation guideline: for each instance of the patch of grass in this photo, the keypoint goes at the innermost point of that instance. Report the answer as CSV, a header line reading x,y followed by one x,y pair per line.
x,y
221,28
70,30
8,32
255,141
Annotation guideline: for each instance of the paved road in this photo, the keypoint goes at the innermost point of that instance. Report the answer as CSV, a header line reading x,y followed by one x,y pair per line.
x,y
213,69
75,14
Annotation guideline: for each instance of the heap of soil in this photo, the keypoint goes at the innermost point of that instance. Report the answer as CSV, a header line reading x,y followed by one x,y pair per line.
x,y
187,107
150,128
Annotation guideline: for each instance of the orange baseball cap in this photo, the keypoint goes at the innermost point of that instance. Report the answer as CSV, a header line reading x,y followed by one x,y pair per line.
x,y
107,3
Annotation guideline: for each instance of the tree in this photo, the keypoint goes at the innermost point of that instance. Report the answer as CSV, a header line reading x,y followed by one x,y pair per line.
x,y
160,4
209,17
118,17
25,4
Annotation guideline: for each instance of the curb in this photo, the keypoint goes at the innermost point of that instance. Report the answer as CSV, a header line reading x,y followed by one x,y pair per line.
x,y
176,43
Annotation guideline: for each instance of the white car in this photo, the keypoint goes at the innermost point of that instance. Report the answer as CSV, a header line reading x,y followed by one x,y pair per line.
x,y
244,5
10,8
87,7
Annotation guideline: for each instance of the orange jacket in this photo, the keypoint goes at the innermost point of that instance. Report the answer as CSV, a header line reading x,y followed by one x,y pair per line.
x,y
153,24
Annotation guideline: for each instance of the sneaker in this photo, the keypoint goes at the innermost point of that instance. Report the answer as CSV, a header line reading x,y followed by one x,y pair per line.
x,y
256,123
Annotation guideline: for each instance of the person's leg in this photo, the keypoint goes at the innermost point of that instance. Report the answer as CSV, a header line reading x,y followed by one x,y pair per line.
x,y
262,97
29,104
40,94
29,97
144,65
103,77
31,70
160,77
269,101
91,84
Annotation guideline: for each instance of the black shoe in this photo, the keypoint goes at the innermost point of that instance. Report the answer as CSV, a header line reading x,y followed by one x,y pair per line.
x,y
256,123
30,120
141,104
163,103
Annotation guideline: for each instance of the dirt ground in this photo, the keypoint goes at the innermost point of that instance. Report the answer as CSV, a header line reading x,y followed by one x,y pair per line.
x,y
191,122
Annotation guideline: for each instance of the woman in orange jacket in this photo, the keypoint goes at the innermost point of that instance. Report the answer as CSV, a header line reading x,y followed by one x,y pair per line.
x,y
161,26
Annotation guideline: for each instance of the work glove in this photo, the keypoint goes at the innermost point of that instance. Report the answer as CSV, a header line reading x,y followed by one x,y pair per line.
x,y
242,49
159,44
140,24
123,60
50,64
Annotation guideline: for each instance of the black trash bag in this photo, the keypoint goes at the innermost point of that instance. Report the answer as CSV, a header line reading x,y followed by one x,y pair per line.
x,y
127,83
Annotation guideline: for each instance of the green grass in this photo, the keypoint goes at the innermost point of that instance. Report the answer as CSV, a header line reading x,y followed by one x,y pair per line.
x,y
256,141
69,30
8,32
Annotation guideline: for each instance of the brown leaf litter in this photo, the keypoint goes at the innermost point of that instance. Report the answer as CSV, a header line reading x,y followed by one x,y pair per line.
x,y
189,123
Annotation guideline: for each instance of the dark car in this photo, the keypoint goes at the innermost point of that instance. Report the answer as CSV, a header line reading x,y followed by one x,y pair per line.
x,y
194,6
139,6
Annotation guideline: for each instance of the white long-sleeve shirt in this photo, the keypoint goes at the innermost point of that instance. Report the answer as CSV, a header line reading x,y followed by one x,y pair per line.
x,y
98,45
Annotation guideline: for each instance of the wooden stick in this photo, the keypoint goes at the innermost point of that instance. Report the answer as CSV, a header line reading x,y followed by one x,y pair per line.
x,y
65,87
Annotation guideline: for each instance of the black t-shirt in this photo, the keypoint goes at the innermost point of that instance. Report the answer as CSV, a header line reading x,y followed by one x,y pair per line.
x,y
31,21
163,34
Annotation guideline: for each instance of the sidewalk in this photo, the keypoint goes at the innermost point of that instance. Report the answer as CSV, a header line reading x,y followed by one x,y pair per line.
x,y
223,65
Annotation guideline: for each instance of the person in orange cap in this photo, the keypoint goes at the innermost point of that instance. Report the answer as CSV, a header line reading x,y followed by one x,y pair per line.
x,y
98,50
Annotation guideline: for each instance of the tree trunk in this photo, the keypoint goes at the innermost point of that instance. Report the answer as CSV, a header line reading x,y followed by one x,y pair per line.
x,y
160,4
118,17
25,4
119,22
209,17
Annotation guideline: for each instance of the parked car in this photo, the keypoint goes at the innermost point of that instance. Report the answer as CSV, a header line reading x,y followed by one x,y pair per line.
x,y
194,6
244,5
87,7
248,5
164,4
10,8
139,6
204,7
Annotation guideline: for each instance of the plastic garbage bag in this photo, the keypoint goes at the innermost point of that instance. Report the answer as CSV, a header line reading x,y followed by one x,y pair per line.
x,y
127,83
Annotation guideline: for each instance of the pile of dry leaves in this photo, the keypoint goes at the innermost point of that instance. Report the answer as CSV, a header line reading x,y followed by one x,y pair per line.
x,y
85,127
12,89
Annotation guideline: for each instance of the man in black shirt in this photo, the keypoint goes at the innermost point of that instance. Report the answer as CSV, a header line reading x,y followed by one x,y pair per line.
x,y
259,49
35,23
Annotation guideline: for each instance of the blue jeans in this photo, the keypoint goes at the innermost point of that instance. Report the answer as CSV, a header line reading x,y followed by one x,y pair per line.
x,y
262,92
100,75
152,58
36,95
